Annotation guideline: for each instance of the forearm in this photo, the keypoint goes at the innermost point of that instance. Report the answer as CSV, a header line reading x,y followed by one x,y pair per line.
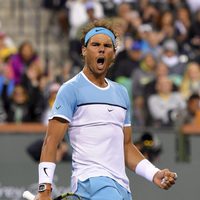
x,y
54,135
131,153
48,153
132,156
138,163
47,164
135,160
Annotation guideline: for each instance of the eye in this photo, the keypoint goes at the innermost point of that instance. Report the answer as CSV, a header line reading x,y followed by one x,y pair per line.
x,y
108,45
95,44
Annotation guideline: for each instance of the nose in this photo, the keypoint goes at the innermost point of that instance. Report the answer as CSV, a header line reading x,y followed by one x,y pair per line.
x,y
101,49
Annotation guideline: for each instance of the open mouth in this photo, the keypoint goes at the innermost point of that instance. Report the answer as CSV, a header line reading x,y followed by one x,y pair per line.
x,y
100,61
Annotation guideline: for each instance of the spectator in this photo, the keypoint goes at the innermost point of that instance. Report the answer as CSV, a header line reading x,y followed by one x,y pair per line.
x,y
3,82
149,13
30,77
40,95
166,24
125,11
21,61
127,61
143,75
188,122
140,77
191,80
189,115
6,78
164,105
79,7
195,33
7,48
52,95
121,26
161,70
170,57
18,107
150,40
182,27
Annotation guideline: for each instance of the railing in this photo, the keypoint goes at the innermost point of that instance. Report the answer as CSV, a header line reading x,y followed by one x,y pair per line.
x,y
27,128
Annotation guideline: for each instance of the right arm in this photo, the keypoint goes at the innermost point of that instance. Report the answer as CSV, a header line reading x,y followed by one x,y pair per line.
x,y
56,130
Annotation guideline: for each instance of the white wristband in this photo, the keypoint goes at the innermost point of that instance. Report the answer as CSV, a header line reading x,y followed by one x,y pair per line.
x,y
146,169
46,172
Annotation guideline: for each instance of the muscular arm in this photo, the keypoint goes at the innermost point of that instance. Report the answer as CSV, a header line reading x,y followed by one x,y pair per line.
x,y
162,178
132,154
56,130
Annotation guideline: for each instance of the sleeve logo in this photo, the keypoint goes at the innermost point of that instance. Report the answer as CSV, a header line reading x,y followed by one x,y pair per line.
x,y
45,171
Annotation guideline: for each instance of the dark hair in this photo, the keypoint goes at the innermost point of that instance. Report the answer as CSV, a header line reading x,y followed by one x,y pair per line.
x,y
23,44
20,50
193,97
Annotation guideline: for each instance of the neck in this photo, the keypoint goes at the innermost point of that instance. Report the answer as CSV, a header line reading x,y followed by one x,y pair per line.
x,y
97,79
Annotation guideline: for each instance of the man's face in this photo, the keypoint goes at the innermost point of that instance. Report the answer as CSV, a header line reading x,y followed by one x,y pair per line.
x,y
164,85
194,105
99,54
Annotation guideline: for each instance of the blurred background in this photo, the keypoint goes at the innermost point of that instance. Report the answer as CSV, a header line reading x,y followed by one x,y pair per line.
x,y
158,61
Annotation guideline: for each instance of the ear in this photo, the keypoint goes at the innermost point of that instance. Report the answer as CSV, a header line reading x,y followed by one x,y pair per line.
x,y
113,59
83,51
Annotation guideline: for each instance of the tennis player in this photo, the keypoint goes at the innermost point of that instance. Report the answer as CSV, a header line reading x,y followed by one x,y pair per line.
x,y
96,113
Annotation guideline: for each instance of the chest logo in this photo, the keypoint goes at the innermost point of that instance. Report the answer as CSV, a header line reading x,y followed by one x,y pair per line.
x,y
58,107
110,109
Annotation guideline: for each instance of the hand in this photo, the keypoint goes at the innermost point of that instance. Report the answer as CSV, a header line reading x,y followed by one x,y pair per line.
x,y
165,179
43,196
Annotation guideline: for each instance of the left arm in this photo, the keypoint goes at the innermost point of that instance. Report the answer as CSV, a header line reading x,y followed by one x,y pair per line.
x,y
135,161
132,155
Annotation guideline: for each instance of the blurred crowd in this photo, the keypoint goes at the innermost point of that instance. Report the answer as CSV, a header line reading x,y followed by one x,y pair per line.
x,y
158,60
